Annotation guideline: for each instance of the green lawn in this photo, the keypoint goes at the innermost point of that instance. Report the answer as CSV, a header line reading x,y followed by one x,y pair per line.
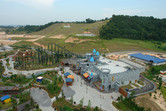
x,y
22,38
127,86
25,43
76,28
141,82
5,106
127,105
104,46
135,85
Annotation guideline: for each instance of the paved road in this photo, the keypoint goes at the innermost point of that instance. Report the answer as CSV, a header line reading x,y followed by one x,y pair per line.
x,y
149,87
10,70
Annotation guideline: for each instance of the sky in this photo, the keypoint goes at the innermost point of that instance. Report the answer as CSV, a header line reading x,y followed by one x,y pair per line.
x,y
38,12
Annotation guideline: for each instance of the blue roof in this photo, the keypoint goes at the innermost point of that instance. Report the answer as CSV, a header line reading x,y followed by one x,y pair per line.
x,y
67,73
91,60
94,51
5,97
69,80
97,53
148,58
89,78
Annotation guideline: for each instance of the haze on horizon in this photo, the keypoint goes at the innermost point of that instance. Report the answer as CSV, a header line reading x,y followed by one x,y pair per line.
x,y
37,12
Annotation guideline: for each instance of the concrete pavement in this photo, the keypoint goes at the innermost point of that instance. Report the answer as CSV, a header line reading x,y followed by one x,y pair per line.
x,y
10,70
97,98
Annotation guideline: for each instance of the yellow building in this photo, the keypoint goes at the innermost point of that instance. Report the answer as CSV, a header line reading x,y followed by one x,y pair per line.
x,y
7,100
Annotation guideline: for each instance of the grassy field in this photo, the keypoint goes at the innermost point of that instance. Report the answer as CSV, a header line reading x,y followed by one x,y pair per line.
x,y
23,42
163,90
104,46
127,86
147,103
75,28
61,103
127,104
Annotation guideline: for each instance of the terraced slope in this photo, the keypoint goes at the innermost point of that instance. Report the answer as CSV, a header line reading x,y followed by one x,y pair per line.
x,y
75,28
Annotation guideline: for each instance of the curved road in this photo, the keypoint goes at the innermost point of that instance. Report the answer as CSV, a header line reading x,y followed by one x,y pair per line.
x,y
10,70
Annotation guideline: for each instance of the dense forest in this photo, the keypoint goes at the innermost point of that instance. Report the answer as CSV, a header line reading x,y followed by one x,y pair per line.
x,y
134,27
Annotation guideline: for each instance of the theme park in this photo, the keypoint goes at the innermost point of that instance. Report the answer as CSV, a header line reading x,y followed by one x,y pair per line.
x,y
82,55
46,78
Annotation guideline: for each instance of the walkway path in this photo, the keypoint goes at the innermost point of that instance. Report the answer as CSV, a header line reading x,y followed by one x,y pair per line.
x,y
81,90
41,97
10,70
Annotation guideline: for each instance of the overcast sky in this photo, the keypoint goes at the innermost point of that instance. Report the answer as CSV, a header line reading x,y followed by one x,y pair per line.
x,y
26,12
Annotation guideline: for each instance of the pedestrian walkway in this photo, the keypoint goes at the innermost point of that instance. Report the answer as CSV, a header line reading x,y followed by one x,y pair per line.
x,y
138,84
133,86
84,91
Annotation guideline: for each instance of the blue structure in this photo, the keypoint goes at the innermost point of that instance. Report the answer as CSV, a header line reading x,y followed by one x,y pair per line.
x,y
89,78
91,74
39,79
92,60
69,80
148,58
5,97
94,51
97,53
67,74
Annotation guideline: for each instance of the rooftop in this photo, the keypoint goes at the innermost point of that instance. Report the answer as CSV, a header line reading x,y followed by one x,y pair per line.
x,y
148,58
113,66
8,88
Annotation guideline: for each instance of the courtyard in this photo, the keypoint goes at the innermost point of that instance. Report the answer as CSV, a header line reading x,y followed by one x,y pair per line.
x,y
80,89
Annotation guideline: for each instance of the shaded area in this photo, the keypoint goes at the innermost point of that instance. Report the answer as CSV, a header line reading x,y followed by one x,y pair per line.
x,y
41,97
68,92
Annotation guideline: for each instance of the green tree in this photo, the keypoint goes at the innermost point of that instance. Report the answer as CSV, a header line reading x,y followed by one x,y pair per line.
x,y
81,103
71,100
160,82
96,108
27,107
89,106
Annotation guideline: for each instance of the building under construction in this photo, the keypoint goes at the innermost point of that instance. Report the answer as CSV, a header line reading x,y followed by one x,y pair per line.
x,y
108,74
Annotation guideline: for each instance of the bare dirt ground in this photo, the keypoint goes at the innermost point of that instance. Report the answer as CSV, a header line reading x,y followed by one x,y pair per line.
x,y
84,40
76,40
159,100
146,102
33,40
4,38
39,45
125,55
23,35
8,42
58,37
71,40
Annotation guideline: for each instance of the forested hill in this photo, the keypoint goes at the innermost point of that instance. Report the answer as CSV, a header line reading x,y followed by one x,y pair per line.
x,y
134,27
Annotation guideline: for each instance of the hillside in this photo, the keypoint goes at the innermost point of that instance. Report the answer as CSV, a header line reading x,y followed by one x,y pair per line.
x,y
75,28
134,27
